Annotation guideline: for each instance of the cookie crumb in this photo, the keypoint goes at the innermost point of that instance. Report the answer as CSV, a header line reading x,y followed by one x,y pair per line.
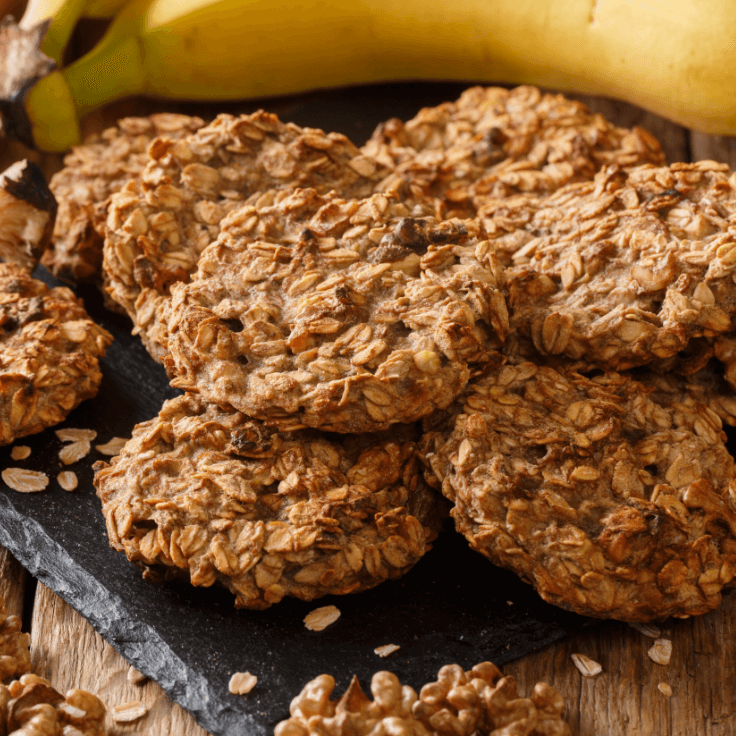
x,y
112,447
321,618
128,712
75,435
75,451
25,481
588,667
20,452
135,677
67,480
661,651
241,683
665,689
386,649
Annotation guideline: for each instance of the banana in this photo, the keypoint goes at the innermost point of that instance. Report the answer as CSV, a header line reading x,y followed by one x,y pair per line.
x,y
675,57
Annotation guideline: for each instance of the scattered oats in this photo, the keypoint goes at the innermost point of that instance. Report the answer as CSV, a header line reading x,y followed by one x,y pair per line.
x,y
386,649
20,452
75,435
67,480
587,666
76,451
509,603
25,481
321,618
661,651
136,677
112,447
650,630
241,683
128,712
665,689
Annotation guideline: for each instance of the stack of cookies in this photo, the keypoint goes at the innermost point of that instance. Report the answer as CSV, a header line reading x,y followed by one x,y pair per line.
x,y
506,298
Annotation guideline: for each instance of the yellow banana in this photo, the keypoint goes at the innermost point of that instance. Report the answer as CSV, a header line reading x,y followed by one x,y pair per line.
x,y
675,57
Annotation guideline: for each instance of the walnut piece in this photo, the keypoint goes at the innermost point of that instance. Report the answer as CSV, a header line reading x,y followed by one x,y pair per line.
x,y
213,496
31,707
459,703
15,657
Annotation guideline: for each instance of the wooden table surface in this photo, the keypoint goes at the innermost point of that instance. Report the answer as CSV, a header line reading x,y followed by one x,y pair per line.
x,y
623,700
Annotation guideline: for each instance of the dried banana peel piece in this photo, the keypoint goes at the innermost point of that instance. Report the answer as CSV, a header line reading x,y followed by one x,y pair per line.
x,y
494,142
92,173
50,352
459,703
157,227
31,706
347,315
613,499
27,212
216,497
625,269
15,657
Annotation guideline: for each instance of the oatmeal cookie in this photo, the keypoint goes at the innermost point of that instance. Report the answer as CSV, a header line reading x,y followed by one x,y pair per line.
x,y
214,496
31,707
480,701
624,269
49,354
611,500
158,226
494,142
92,173
348,315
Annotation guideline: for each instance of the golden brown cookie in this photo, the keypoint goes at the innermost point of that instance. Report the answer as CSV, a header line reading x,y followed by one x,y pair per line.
x,y
92,173
348,315
625,269
214,496
611,499
158,226
494,142
49,354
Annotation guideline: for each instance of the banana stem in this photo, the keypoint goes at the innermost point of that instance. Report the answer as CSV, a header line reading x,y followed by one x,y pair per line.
x,y
63,14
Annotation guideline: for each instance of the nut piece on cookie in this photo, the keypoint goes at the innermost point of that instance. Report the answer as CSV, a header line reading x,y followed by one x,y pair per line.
x,y
27,212
50,354
624,269
31,706
494,143
156,228
15,658
262,513
612,499
92,173
459,703
348,315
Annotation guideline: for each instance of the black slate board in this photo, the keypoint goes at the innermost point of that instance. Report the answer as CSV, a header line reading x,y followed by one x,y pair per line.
x,y
454,606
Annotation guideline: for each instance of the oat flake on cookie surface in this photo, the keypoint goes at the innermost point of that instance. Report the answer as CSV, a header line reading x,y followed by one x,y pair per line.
x,y
347,315
611,499
214,496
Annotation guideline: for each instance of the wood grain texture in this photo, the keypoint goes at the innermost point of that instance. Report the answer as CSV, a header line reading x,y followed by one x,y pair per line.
x,y
12,583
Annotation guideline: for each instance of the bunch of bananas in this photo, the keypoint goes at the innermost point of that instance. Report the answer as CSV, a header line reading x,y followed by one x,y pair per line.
x,y
675,57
